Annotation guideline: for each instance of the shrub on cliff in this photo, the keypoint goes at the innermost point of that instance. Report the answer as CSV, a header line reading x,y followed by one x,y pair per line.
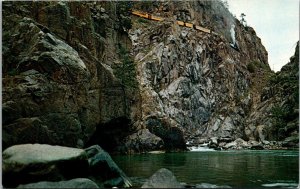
x,y
123,14
256,65
126,71
251,68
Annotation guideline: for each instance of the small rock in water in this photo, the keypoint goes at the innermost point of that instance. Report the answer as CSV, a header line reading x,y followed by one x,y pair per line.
x,y
163,178
207,185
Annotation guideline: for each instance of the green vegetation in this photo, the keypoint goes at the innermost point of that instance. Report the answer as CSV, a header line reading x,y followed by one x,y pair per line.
x,y
12,72
282,115
286,83
225,3
278,113
251,68
255,65
126,71
123,14
146,5
243,20
288,86
142,20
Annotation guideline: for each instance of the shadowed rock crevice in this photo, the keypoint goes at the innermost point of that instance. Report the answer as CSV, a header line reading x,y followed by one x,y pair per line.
x,y
110,135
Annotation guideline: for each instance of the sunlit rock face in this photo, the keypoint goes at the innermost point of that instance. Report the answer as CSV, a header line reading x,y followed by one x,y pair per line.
x,y
194,80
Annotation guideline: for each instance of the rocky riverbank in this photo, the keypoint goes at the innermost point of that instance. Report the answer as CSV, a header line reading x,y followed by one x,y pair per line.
x,y
240,144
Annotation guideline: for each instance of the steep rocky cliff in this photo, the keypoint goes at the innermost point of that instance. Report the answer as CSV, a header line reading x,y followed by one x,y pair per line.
x,y
193,80
276,115
58,84
80,73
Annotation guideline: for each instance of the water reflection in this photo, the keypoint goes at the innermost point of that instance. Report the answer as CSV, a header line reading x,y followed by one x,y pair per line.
x,y
235,168
178,160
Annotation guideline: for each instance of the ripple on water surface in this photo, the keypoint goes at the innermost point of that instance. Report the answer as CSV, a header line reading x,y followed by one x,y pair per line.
x,y
260,168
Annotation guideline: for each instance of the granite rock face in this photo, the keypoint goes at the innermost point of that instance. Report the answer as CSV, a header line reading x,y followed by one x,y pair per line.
x,y
192,80
58,81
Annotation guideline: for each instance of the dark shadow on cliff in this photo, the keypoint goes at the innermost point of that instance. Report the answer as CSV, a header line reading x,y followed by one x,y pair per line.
x,y
110,134
172,136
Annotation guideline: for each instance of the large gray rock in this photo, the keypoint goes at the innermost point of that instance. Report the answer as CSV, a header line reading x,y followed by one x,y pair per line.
x,y
143,141
260,133
292,141
213,142
35,162
237,144
104,169
163,178
74,183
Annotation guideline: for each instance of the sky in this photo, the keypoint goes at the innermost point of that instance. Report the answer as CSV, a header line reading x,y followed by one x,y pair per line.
x,y
276,22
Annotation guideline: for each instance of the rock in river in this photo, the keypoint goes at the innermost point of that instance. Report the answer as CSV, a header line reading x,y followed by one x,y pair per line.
x,y
163,178
74,183
31,163
103,168
143,141
28,163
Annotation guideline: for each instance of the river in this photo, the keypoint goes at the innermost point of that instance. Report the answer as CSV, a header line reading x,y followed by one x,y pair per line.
x,y
262,168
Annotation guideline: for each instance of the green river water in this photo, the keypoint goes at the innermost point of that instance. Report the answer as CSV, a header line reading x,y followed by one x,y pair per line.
x,y
246,169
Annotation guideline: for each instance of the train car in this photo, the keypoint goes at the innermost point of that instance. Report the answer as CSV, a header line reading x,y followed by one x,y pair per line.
x,y
140,14
146,15
180,23
202,29
214,33
189,25
156,18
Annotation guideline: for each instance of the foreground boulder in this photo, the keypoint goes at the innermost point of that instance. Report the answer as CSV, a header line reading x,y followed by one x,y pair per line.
x,y
143,141
163,178
104,169
28,163
74,183
32,163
